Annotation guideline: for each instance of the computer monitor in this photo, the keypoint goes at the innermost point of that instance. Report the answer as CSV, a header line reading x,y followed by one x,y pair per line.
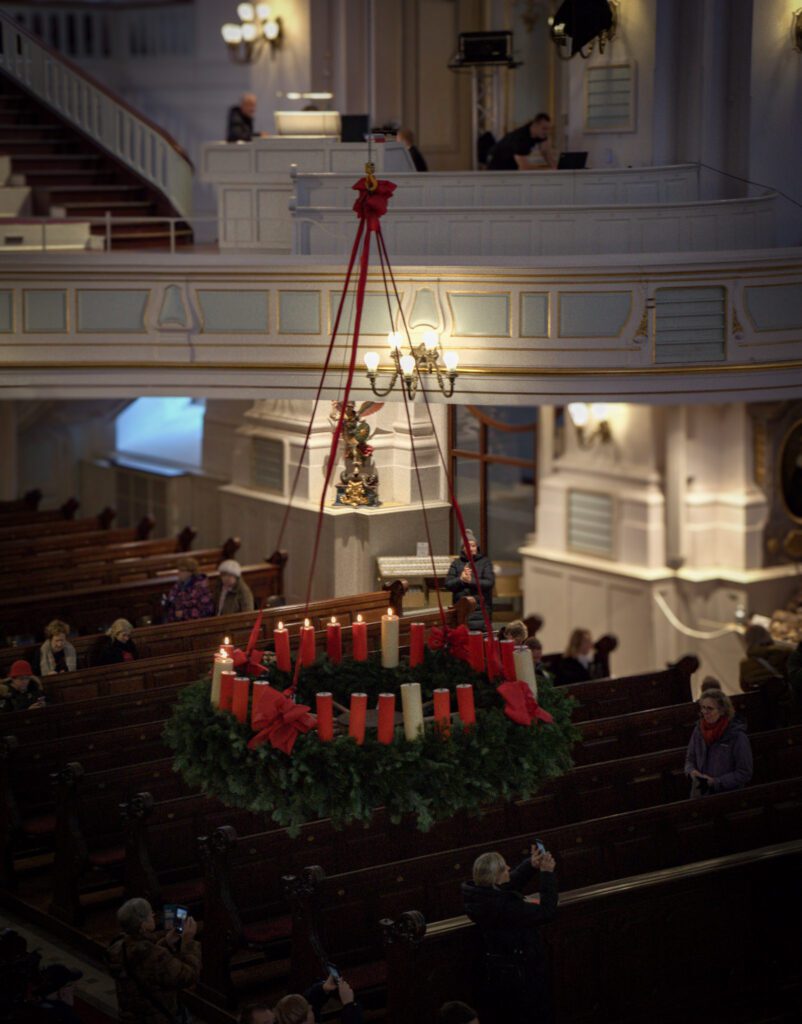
x,y
354,127
572,161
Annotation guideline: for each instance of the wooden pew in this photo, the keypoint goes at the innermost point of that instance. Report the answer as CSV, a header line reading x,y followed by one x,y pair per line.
x,y
662,915
102,573
61,527
28,502
92,609
79,553
30,546
22,517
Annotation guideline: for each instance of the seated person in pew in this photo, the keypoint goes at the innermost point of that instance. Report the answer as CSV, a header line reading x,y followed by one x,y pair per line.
x,y
150,974
57,654
117,645
231,593
256,1013
765,658
22,690
578,664
56,988
460,581
514,982
190,597
536,650
514,630
308,1008
457,1013
719,756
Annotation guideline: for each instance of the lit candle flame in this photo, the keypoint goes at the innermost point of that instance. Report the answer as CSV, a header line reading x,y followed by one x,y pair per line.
x,y
334,620
280,624
389,613
223,653
306,623
226,640
359,617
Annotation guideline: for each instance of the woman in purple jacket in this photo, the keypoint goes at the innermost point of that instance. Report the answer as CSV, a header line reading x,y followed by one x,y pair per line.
x,y
719,755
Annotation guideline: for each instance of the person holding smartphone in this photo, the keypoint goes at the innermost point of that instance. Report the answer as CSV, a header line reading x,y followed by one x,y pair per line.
x,y
307,1009
149,973
515,984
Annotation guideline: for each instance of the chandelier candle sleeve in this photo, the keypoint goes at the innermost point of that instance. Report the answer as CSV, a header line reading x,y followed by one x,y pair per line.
x,y
416,638
281,643
359,639
476,653
442,711
357,717
261,693
307,644
508,660
334,641
222,663
227,646
412,709
525,668
390,623
386,723
492,657
239,700
324,705
226,689
465,704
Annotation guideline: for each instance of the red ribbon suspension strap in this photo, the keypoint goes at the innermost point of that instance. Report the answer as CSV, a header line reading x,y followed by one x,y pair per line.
x,y
251,658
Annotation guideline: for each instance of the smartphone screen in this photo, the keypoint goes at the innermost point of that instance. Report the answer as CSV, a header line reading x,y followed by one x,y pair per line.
x,y
540,846
180,918
333,972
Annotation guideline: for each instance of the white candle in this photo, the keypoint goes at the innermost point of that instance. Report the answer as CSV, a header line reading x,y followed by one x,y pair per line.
x,y
390,640
222,663
525,668
412,709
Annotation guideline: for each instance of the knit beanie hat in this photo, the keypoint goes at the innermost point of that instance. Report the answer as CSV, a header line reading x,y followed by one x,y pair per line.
x,y
20,668
230,566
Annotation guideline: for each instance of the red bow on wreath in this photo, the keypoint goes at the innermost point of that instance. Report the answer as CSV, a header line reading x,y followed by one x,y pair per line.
x,y
455,641
520,705
370,206
280,722
250,660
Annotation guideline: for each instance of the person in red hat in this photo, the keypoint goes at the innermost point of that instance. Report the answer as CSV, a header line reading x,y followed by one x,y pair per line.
x,y
22,689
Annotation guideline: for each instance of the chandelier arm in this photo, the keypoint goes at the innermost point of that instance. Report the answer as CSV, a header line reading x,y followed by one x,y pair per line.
x,y
378,392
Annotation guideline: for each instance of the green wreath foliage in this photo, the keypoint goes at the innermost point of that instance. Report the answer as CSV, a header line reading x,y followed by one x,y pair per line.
x,y
429,779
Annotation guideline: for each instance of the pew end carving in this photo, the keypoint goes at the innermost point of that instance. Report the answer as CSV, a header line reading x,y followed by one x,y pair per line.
x,y
222,924
71,853
140,876
307,949
9,812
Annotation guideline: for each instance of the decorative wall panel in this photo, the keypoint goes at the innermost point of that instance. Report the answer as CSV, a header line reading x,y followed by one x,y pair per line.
x,y
375,313
593,314
775,307
113,310
534,315
44,310
480,315
690,325
226,311
299,312
591,523
6,312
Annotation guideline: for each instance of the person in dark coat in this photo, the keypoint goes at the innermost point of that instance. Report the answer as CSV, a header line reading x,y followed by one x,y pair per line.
x,y
511,153
118,645
56,985
240,120
22,690
514,982
190,598
461,582
719,756
296,1009
406,138
578,664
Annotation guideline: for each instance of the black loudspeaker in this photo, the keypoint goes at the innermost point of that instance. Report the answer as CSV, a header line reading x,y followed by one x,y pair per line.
x,y
485,47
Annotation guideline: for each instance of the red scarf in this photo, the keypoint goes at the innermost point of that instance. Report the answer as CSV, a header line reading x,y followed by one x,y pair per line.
x,y
714,732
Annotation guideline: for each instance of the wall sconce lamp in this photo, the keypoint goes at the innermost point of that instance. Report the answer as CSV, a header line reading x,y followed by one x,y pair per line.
x,y
796,30
596,415
408,367
256,30
576,29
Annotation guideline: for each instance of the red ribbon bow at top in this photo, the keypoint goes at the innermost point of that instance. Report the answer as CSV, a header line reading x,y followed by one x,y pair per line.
x,y
455,641
279,721
370,206
520,705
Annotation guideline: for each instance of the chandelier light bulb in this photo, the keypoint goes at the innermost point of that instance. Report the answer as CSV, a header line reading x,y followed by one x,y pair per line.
x,y
372,361
249,32
394,340
407,365
600,411
451,359
430,340
245,12
272,30
579,413
232,34
263,11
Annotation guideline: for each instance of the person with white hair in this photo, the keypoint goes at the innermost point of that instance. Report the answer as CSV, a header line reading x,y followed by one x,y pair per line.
x,y
231,593
150,973
240,119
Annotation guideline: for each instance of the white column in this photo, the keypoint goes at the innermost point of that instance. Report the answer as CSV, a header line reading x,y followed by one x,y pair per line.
x,y
675,486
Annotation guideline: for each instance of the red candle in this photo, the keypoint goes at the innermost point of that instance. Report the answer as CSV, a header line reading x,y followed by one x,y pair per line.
x,y
356,720
359,639
476,653
324,705
239,701
492,657
508,659
334,641
226,689
442,711
386,729
465,705
281,643
260,699
416,631
307,643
